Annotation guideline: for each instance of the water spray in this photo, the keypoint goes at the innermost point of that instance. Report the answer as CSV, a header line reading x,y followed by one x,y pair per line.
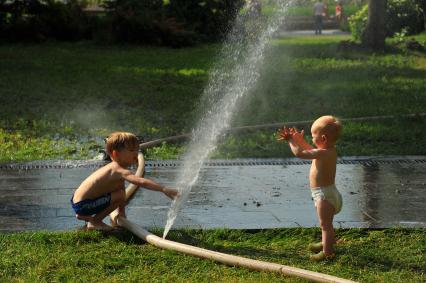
x,y
234,76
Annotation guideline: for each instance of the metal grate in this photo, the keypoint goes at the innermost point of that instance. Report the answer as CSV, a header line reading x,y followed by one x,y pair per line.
x,y
365,161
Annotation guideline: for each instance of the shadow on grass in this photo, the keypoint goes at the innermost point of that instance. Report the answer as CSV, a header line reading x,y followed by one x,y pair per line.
x,y
289,246
123,235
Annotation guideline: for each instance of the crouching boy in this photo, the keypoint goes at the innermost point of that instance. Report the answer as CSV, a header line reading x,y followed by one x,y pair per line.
x,y
103,191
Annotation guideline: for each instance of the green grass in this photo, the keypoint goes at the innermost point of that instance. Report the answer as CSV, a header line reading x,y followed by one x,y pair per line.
x,y
391,255
58,100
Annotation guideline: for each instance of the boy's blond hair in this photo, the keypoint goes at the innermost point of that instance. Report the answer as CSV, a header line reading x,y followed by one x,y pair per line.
x,y
120,140
330,126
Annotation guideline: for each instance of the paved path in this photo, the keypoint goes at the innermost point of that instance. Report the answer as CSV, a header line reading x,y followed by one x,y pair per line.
x,y
311,32
246,194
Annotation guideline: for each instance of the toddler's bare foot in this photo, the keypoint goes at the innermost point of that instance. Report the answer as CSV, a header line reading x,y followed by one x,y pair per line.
x,y
315,247
93,225
321,256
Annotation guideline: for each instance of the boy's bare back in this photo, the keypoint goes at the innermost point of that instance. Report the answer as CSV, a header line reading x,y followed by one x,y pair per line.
x,y
104,180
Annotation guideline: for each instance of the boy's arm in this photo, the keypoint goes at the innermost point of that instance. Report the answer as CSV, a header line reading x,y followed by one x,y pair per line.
x,y
148,184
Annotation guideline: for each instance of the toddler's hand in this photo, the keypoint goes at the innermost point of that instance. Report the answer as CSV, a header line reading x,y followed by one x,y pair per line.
x,y
297,136
283,134
171,193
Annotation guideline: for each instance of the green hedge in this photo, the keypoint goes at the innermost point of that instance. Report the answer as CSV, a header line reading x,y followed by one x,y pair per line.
x,y
34,20
172,23
401,15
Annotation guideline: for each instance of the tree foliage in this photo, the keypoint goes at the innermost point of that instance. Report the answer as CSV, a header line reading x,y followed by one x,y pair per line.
x,y
172,22
396,17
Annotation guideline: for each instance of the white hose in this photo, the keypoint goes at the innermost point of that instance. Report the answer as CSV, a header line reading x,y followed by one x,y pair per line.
x,y
226,258
212,255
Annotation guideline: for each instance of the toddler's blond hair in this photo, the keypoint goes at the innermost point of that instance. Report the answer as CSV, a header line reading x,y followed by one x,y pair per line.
x,y
330,126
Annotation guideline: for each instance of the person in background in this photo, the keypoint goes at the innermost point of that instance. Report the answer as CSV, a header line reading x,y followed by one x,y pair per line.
x,y
339,12
319,10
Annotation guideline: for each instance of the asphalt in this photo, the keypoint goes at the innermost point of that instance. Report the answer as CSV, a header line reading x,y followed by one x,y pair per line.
x,y
238,194
285,33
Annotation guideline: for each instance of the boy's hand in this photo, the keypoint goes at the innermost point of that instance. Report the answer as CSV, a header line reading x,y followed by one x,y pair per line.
x,y
284,134
171,193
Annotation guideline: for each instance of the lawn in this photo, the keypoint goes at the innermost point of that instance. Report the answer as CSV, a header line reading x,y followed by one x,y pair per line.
x,y
391,255
58,100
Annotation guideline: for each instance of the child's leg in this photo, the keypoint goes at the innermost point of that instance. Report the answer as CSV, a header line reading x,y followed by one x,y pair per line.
x,y
86,218
120,211
130,192
325,213
117,199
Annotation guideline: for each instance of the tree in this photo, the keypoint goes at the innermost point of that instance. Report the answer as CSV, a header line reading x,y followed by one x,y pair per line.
x,y
375,33
422,5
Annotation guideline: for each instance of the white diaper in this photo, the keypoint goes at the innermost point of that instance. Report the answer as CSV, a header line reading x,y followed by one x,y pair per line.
x,y
330,194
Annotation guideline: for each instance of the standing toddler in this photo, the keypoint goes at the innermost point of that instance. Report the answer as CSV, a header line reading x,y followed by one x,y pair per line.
x,y
328,201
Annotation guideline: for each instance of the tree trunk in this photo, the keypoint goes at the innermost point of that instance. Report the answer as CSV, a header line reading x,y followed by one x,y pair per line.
x,y
375,33
422,4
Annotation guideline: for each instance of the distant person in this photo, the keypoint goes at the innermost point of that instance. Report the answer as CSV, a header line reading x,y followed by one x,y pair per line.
x,y
254,7
103,191
328,201
319,12
339,12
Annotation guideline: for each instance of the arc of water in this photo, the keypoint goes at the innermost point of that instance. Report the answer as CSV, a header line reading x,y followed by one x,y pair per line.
x,y
227,85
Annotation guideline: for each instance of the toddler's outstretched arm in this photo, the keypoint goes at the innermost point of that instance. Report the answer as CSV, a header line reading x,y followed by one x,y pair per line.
x,y
298,144
298,138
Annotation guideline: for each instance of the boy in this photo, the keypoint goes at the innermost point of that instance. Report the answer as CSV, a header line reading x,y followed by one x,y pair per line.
x,y
328,201
103,191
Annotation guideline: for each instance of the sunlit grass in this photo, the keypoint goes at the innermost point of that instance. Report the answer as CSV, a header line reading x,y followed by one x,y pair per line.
x,y
391,255
58,100
156,71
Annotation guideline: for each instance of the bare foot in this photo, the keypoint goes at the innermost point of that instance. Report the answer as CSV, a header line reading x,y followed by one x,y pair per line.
x,y
114,217
92,225
87,218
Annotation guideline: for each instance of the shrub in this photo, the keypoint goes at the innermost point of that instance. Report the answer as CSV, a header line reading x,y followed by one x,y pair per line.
x,y
210,19
63,21
29,20
133,20
358,22
402,16
160,22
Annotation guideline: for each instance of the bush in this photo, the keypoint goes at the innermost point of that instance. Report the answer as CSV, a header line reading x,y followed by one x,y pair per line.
x,y
29,20
210,19
174,22
160,22
401,16
133,20
358,22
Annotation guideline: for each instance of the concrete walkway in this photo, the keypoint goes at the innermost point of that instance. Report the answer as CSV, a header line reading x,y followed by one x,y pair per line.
x,y
243,194
311,32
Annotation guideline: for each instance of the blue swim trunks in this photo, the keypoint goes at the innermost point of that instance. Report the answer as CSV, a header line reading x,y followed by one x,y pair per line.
x,y
91,206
